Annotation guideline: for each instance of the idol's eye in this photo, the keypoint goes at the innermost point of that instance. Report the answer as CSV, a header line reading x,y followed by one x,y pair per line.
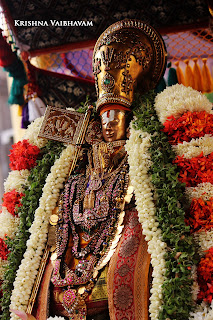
x,y
103,123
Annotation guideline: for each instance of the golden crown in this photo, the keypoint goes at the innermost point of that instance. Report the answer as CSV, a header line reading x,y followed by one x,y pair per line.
x,y
129,53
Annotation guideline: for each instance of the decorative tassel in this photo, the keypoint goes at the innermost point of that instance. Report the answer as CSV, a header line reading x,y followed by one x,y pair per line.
x,y
19,111
36,108
206,75
198,83
172,76
189,78
180,74
161,86
15,67
25,117
17,71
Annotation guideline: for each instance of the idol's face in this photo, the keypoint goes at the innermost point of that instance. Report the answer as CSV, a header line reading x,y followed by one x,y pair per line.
x,y
113,125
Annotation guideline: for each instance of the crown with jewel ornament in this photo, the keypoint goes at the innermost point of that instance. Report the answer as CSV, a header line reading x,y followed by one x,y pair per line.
x,y
129,54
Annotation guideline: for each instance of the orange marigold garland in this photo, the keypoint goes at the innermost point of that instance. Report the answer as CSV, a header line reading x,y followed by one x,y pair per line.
x,y
195,170
205,277
189,125
23,155
200,215
12,200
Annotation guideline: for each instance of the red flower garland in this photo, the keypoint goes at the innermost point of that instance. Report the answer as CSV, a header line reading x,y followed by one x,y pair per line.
x,y
3,250
195,170
189,125
205,277
200,215
23,155
11,200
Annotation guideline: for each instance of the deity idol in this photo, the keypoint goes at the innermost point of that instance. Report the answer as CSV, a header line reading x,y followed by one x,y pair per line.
x,y
100,266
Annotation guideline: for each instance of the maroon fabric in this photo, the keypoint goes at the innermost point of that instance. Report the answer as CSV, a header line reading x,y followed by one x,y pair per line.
x,y
7,57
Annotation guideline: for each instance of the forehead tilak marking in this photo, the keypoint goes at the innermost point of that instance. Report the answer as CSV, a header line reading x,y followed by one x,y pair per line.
x,y
108,115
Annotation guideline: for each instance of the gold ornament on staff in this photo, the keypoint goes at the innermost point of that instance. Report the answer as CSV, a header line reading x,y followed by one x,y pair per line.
x,y
78,144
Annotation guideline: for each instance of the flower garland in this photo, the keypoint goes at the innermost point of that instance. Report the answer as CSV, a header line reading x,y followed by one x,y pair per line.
x,y
175,292
14,185
189,125
16,180
204,241
199,216
192,128
23,155
205,277
139,160
204,312
33,190
3,255
177,99
11,200
8,223
195,170
38,231
194,147
202,190
32,132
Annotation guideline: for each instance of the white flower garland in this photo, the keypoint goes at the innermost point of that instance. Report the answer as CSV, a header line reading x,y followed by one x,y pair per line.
x,y
28,268
177,99
16,180
204,312
139,160
8,224
195,147
203,190
205,240
32,132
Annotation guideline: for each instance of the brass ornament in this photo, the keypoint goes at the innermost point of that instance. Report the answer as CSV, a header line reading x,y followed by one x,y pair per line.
x,y
53,256
108,82
95,274
129,54
81,290
61,125
53,219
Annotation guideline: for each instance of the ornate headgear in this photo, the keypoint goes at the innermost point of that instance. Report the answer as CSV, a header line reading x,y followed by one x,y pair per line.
x,y
129,53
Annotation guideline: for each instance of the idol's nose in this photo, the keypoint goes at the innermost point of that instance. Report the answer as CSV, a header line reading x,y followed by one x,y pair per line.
x,y
109,125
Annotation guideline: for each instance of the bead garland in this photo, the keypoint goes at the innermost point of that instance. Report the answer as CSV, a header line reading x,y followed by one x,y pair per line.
x,y
114,188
